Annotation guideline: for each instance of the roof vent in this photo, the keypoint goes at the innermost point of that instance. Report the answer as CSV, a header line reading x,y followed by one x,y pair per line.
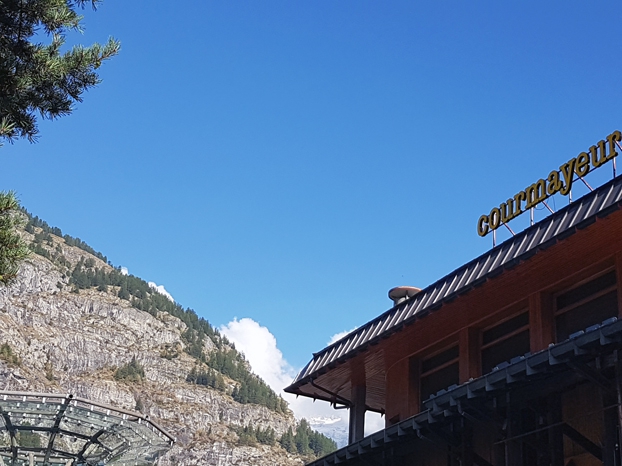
x,y
400,294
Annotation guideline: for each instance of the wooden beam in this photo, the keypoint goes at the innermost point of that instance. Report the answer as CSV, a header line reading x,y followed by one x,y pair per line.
x,y
470,358
541,321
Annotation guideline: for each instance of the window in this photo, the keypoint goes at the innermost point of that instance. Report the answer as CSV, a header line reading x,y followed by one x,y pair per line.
x,y
585,305
439,371
505,341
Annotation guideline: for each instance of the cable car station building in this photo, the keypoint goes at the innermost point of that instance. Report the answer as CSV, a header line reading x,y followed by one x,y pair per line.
x,y
514,359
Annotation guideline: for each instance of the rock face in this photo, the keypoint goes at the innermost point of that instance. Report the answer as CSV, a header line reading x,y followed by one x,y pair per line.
x,y
72,343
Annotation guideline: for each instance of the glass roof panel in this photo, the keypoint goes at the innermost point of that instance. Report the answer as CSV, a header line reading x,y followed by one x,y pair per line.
x,y
55,429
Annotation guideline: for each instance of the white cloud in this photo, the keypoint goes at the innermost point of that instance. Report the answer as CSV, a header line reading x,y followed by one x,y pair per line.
x,y
267,361
259,347
160,289
338,336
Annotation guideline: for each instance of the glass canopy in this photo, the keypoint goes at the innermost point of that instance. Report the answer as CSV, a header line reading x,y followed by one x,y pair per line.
x,y
39,429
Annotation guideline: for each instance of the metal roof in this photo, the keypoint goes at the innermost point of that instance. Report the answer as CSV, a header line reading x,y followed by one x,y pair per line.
x,y
43,429
563,223
557,360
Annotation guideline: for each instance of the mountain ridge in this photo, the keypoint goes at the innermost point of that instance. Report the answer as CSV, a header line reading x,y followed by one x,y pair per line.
x,y
60,332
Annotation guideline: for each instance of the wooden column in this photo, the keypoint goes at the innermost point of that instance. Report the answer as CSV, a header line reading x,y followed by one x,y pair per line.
x,y
402,391
470,360
541,321
357,414
414,376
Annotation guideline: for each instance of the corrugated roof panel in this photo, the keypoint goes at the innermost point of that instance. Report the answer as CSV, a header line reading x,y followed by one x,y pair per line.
x,y
411,309
407,310
429,296
333,355
425,299
402,314
556,225
309,369
350,344
529,240
368,330
612,196
573,215
341,350
469,276
374,331
504,253
507,251
390,320
355,340
496,258
533,237
325,358
386,322
564,221
442,291
522,245
600,202
453,283
482,267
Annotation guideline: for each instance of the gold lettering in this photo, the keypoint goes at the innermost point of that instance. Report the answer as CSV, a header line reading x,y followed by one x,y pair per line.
x,y
596,160
558,181
482,225
554,184
583,164
494,218
535,193
517,198
567,170
603,150
612,138
507,210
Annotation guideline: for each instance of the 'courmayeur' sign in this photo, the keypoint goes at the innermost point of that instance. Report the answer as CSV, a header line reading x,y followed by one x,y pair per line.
x,y
558,181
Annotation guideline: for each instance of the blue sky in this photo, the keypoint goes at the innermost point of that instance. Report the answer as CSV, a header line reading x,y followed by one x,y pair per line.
x,y
290,162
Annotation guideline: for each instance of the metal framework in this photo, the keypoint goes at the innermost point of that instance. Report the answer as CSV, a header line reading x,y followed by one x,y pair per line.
x,y
42,429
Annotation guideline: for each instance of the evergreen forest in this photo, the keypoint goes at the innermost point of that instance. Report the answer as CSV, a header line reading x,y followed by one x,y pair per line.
x,y
212,367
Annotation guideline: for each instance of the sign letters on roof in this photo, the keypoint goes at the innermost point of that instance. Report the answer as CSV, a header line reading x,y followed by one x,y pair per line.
x,y
558,181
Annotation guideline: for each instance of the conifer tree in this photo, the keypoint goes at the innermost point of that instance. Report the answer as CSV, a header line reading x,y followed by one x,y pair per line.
x,y
13,249
38,78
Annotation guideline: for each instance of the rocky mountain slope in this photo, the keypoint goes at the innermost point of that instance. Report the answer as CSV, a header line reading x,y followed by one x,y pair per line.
x,y
58,337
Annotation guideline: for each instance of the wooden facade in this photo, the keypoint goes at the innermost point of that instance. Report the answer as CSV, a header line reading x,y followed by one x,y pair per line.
x,y
433,378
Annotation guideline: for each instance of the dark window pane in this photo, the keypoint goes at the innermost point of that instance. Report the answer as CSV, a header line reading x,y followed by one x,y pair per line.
x,y
443,378
581,292
505,350
590,313
439,359
505,328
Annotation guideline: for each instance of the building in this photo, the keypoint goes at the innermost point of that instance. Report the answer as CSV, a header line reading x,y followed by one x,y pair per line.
x,y
513,359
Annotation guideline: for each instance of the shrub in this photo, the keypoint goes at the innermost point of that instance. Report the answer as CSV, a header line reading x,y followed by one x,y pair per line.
x,y
130,372
7,355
